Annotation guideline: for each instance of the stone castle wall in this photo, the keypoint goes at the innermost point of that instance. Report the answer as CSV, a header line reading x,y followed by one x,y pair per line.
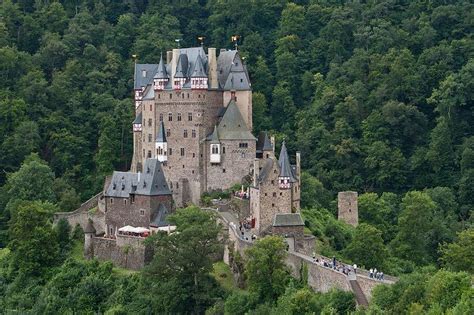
x,y
124,251
81,215
235,164
320,278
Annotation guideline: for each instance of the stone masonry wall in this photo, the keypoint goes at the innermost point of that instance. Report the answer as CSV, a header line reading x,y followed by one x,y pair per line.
x,y
347,207
81,215
124,251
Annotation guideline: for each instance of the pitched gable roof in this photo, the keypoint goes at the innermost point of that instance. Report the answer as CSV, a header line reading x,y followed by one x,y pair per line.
x,y
288,219
232,126
144,74
263,142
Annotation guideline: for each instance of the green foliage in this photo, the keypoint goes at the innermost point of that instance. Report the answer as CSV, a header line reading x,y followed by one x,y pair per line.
x,y
265,269
367,247
458,256
179,271
33,245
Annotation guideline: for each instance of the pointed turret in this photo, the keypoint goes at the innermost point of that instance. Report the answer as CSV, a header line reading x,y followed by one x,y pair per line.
x,y
181,72
161,77
137,123
198,75
161,144
286,176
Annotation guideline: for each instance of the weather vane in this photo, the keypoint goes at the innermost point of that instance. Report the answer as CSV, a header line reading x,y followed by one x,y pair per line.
x,y
201,40
134,56
235,39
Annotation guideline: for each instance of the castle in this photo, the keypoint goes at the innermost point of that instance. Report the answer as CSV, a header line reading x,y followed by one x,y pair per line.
x,y
194,115
192,134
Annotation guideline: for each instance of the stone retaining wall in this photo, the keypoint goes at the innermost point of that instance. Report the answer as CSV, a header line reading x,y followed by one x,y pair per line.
x,y
124,251
81,215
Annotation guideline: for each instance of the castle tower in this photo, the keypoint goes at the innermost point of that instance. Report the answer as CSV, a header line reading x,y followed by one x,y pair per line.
x,y
347,207
285,179
89,233
161,144
160,80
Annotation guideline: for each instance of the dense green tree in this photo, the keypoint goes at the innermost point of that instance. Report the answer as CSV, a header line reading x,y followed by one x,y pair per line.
x,y
367,247
179,272
33,241
265,268
415,225
458,256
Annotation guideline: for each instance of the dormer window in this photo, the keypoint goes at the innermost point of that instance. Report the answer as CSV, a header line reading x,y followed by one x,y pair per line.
x,y
144,73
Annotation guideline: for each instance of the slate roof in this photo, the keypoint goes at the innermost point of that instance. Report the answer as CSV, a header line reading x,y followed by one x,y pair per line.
x,y
138,119
141,81
232,74
160,217
284,163
263,142
161,72
149,93
161,137
89,228
287,219
232,126
151,182
182,67
214,137
199,71
266,169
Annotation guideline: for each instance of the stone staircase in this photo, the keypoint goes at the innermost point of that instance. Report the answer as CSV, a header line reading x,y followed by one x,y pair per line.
x,y
361,299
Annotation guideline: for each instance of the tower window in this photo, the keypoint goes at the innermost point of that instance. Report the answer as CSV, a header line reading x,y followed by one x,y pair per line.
x,y
149,154
179,116
193,133
185,133
170,117
223,150
182,151
168,132
215,149
142,212
190,116
151,108
161,117
223,170
243,145
150,121
149,137
170,151
171,95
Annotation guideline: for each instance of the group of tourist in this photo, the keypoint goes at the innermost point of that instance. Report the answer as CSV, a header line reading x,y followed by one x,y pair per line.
x,y
346,269
374,274
241,195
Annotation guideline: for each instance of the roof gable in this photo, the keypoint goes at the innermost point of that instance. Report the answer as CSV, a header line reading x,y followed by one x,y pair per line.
x,y
232,126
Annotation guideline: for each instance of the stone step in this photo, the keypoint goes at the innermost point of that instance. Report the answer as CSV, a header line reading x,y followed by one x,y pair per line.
x,y
361,299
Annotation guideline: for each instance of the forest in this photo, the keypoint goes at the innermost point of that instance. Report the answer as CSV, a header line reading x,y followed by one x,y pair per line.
x,y
376,95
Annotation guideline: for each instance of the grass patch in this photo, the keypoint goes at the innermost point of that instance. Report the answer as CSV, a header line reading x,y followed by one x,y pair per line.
x,y
77,251
124,272
224,276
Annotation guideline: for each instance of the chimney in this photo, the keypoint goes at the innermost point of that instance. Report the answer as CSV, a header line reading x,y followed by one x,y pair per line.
x,y
272,140
169,56
174,64
211,53
256,172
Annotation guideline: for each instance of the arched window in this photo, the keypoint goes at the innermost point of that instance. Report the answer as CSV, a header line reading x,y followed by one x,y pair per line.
x,y
170,117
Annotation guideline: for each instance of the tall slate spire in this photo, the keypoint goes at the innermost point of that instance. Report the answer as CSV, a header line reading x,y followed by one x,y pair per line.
x,y
161,133
284,162
161,72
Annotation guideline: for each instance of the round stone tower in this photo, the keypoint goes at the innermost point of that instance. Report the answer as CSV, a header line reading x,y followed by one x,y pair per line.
x,y
89,233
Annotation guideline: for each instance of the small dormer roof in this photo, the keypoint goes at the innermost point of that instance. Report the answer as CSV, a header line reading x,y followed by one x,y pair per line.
x,y
161,71
161,137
